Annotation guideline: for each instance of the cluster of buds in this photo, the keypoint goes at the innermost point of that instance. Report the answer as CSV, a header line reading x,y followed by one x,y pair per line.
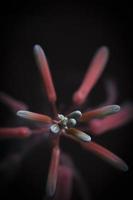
x,y
65,122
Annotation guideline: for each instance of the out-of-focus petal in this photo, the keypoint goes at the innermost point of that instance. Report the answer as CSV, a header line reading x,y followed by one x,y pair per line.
x,y
111,92
99,112
92,75
78,182
34,116
64,183
12,103
45,72
106,155
99,127
78,134
15,132
53,172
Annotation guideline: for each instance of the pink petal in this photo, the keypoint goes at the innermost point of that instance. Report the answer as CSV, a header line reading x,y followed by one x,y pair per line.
x,y
78,179
45,72
34,116
15,132
111,92
53,172
99,112
92,75
125,115
103,153
13,104
80,135
64,183
106,155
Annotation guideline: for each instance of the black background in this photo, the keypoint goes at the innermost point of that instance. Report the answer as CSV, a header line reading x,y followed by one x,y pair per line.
x,y
70,33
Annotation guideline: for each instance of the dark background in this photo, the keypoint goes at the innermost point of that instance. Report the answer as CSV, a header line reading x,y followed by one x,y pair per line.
x,y
70,33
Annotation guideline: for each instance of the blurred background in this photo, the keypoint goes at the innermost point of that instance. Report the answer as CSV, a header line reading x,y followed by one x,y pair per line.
x,y
70,34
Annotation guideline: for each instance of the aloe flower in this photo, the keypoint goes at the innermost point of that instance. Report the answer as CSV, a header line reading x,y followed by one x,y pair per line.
x,y
75,124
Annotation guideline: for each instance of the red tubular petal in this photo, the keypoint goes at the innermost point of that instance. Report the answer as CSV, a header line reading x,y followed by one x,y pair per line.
x,y
106,155
34,116
15,132
99,112
13,104
64,183
80,135
45,72
92,75
99,127
111,92
53,172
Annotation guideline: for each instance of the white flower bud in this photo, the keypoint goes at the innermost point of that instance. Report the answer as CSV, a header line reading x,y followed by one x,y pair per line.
x,y
75,114
55,128
71,122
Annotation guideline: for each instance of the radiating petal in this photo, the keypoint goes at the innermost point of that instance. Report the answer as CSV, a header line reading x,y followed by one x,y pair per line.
x,y
12,103
106,155
64,183
99,127
111,92
92,75
79,183
15,132
99,112
45,72
53,172
34,116
78,134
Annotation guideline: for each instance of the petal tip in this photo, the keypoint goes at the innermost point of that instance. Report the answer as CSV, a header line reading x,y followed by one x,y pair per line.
x,y
116,108
38,51
87,138
36,47
125,167
20,113
104,50
50,190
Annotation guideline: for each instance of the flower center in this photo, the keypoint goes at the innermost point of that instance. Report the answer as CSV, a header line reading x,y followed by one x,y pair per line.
x,y
65,122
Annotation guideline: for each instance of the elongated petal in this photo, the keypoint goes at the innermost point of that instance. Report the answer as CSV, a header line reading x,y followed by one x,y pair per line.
x,y
45,72
78,134
34,116
13,104
64,183
99,127
106,155
53,172
15,132
111,92
99,112
92,75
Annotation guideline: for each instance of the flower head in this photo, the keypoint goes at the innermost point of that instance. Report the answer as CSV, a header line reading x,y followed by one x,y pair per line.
x,y
75,124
